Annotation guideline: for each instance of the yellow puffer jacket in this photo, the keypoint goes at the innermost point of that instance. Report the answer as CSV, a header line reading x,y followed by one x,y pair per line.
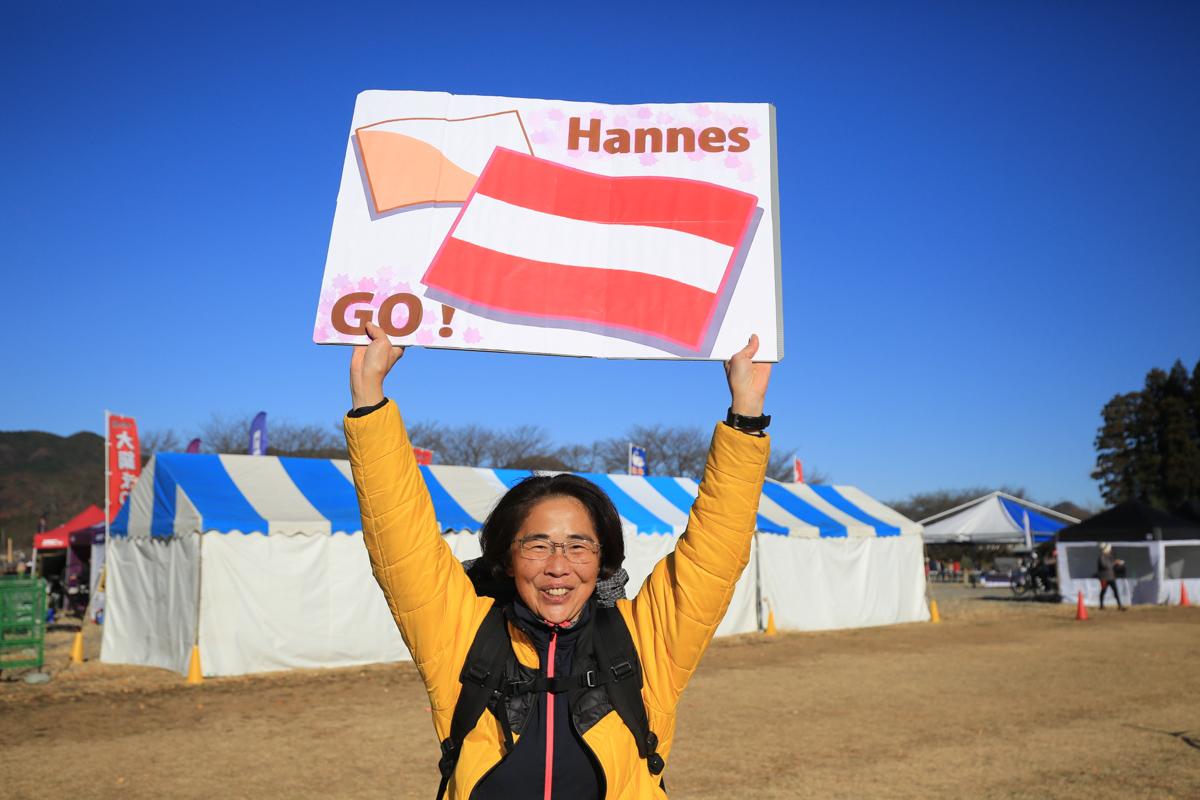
x,y
672,619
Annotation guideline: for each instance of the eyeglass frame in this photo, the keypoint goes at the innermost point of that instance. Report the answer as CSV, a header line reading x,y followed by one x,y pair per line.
x,y
591,545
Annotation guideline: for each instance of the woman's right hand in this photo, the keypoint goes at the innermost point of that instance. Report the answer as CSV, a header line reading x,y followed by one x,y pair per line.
x,y
747,380
369,365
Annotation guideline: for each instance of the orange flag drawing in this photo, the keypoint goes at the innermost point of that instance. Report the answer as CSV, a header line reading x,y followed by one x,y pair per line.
x,y
420,160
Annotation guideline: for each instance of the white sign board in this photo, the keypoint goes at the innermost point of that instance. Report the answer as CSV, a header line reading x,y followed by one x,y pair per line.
x,y
566,228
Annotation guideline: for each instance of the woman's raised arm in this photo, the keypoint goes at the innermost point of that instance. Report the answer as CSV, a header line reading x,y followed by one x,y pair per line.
x,y
675,614
429,594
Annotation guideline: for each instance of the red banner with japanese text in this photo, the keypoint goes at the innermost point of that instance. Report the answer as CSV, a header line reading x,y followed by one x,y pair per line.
x,y
124,460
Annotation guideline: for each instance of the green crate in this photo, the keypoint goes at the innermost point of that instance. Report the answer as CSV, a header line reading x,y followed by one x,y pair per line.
x,y
22,623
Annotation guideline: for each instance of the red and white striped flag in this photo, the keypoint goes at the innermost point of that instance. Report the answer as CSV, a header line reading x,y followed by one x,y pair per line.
x,y
649,259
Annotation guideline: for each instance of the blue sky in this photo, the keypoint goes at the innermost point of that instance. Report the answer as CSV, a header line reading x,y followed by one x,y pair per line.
x,y
990,216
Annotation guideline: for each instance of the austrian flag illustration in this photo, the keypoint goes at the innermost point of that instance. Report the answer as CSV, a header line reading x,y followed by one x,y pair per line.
x,y
650,259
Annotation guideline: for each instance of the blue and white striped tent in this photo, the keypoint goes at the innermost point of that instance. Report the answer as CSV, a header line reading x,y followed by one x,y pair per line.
x,y
264,549
256,494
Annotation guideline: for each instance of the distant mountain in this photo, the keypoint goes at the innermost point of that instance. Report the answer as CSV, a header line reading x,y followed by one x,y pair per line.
x,y
41,473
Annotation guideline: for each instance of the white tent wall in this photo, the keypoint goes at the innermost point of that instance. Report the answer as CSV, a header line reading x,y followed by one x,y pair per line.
x,y
1155,571
464,545
1181,567
817,584
95,567
644,551
284,602
298,591
1077,572
742,615
150,603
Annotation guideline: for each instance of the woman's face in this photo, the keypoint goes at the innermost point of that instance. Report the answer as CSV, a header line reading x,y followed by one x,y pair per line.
x,y
556,588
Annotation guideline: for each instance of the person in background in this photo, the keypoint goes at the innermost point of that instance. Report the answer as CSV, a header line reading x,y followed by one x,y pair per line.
x,y
1106,570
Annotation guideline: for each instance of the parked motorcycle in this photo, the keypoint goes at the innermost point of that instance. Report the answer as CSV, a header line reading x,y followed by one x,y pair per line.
x,y
1033,578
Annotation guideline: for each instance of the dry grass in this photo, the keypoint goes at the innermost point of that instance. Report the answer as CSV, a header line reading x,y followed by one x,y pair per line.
x,y
1002,700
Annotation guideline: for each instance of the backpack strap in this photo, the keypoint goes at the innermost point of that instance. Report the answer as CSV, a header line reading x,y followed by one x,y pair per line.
x,y
482,677
621,673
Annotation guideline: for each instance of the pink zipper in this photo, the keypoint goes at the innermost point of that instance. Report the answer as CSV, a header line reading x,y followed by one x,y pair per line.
x,y
550,715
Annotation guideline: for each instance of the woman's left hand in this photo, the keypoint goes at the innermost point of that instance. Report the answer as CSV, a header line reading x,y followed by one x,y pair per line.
x,y
747,380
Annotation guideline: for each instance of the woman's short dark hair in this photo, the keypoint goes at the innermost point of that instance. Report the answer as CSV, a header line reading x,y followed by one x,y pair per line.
x,y
506,519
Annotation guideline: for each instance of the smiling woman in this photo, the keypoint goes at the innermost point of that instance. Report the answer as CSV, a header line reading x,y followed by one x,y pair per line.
x,y
540,517
536,690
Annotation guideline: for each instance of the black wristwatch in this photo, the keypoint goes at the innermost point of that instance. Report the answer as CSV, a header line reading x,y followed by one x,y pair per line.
x,y
747,424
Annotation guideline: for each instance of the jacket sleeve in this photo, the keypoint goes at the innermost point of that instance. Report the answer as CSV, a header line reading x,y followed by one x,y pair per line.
x,y
427,590
686,596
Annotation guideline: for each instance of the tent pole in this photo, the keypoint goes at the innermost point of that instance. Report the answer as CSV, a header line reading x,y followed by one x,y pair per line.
x,y
1160,571
199,576
107,482
758,599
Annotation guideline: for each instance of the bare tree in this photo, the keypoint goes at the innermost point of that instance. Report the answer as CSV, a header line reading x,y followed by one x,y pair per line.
x,y
225,434
231,434
780,468
525,443
811,475
578,457
925,504
430,436
160,441
470,445
308,441
1076,510
670,450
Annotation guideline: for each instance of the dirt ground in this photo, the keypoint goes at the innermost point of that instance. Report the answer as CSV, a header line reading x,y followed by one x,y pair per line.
x,y
1004,699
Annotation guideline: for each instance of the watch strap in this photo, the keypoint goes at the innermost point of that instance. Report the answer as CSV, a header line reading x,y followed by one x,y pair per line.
x,y
747,424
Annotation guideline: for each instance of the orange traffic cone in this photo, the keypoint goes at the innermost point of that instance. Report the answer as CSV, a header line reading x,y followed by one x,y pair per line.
x,y
195,676
1080,609
771,623
934,616
1183,598
77,648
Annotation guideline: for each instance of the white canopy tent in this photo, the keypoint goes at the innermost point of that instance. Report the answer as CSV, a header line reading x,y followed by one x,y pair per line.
x,y
995,518
258,560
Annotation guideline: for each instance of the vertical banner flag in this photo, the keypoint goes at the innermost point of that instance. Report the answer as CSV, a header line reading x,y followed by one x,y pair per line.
x,y
566,228
637,460
797,470
193,446
424,457
124,460
258,434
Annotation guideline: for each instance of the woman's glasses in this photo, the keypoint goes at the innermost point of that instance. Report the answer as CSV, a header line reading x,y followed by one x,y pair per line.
x,y
577,551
